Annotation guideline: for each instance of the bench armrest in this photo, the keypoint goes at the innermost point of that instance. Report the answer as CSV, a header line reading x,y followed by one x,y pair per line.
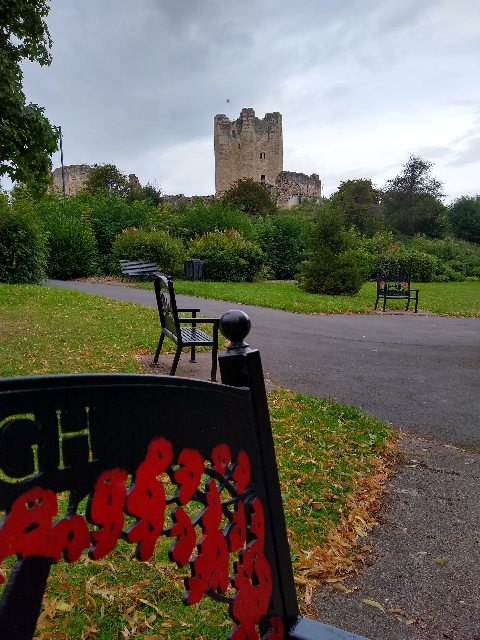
x,y
187,310
198,320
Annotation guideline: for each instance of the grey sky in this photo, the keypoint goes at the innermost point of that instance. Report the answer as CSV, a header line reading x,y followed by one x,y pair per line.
x,y
361,84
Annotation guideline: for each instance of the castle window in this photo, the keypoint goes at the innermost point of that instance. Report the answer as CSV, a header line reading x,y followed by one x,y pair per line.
x,y
262,155
234,135
262,178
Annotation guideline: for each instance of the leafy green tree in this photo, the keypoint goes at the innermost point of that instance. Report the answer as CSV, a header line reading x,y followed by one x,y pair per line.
x,y
412,200
282,239
360,204
153,193
464,218
334,266
254,197
23,247
107,178
27,139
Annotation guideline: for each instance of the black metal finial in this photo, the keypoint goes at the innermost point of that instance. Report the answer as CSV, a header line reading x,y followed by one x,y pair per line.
x,y
235,325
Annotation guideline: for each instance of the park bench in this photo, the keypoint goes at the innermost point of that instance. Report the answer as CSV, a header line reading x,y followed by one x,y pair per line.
x,y
183,337
112,438
135,268
395,288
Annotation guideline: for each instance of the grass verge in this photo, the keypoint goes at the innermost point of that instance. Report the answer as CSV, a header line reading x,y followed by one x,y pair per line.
x,y
331,462
445,298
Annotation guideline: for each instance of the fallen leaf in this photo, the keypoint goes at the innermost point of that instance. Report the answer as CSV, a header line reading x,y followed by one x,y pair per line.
x,y
411,621
373,603
402,613
366,547
63,606
440,560
342,587
422,553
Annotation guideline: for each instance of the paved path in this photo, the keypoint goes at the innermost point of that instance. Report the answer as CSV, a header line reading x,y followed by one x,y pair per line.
x,y
420,373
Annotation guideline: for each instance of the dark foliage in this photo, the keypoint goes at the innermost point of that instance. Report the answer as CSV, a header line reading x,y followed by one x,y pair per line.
x,y
253,197
412,200
27,139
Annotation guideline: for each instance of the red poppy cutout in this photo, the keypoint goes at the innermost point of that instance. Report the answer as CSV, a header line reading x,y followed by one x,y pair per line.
x,y
106,510
189,475
146,499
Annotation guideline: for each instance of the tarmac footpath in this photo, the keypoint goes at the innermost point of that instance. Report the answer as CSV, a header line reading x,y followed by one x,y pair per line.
x,y
423,568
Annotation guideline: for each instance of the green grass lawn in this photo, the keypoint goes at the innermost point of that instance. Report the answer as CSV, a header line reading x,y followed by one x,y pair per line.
x,y
444,298
331,462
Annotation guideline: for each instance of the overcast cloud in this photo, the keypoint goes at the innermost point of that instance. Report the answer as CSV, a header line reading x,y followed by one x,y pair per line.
x,y
361,84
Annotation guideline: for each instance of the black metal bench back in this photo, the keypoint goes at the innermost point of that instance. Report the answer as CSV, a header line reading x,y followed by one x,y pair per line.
x,y
394,285
112,438
167,306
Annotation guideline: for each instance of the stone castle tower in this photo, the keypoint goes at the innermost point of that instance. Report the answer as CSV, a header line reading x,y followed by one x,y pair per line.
x,y
248,147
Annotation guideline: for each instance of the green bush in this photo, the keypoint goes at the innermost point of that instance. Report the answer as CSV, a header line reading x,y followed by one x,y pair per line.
x,y
72,248
202,218
460,255
464,218
418,266
332,274
282,239
151,246
334,266
227,256
23,251
108,215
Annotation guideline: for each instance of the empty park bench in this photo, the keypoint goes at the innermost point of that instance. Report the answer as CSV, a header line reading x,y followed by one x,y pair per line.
x,y
395,288
183,337
111,438
135,268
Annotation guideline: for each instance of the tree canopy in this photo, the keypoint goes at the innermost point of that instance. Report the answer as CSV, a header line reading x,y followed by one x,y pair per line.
x,y
255,198
464,218
360,204
27,139
412,200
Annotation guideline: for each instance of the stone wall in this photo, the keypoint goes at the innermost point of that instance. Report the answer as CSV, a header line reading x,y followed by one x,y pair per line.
x,y
75,177
248,147
291,187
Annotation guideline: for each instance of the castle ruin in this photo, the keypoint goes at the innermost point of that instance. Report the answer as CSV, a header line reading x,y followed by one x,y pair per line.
x,y
76,176
250,147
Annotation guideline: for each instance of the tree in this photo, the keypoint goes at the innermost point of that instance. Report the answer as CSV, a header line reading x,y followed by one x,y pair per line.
x,y
254,197
107,178
334,267
464,218
27,139
412,200
360,204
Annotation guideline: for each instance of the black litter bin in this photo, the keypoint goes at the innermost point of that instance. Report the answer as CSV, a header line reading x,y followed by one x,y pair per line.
x,y
194,269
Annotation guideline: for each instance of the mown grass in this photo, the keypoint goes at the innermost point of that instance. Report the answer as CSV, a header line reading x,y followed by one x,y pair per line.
x,y
445,298
330,459
44,330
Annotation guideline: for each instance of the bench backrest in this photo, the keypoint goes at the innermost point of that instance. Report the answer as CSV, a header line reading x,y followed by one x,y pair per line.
x,y
138,268
393,285
110,437
166,303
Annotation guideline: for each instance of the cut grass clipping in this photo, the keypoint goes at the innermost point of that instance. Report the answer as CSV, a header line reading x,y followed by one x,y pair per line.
x,y
445,298
331,461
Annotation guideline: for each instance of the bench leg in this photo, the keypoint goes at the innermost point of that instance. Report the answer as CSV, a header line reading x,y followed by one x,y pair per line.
x,y
159,348
384,302
175,361
416,301
192,348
